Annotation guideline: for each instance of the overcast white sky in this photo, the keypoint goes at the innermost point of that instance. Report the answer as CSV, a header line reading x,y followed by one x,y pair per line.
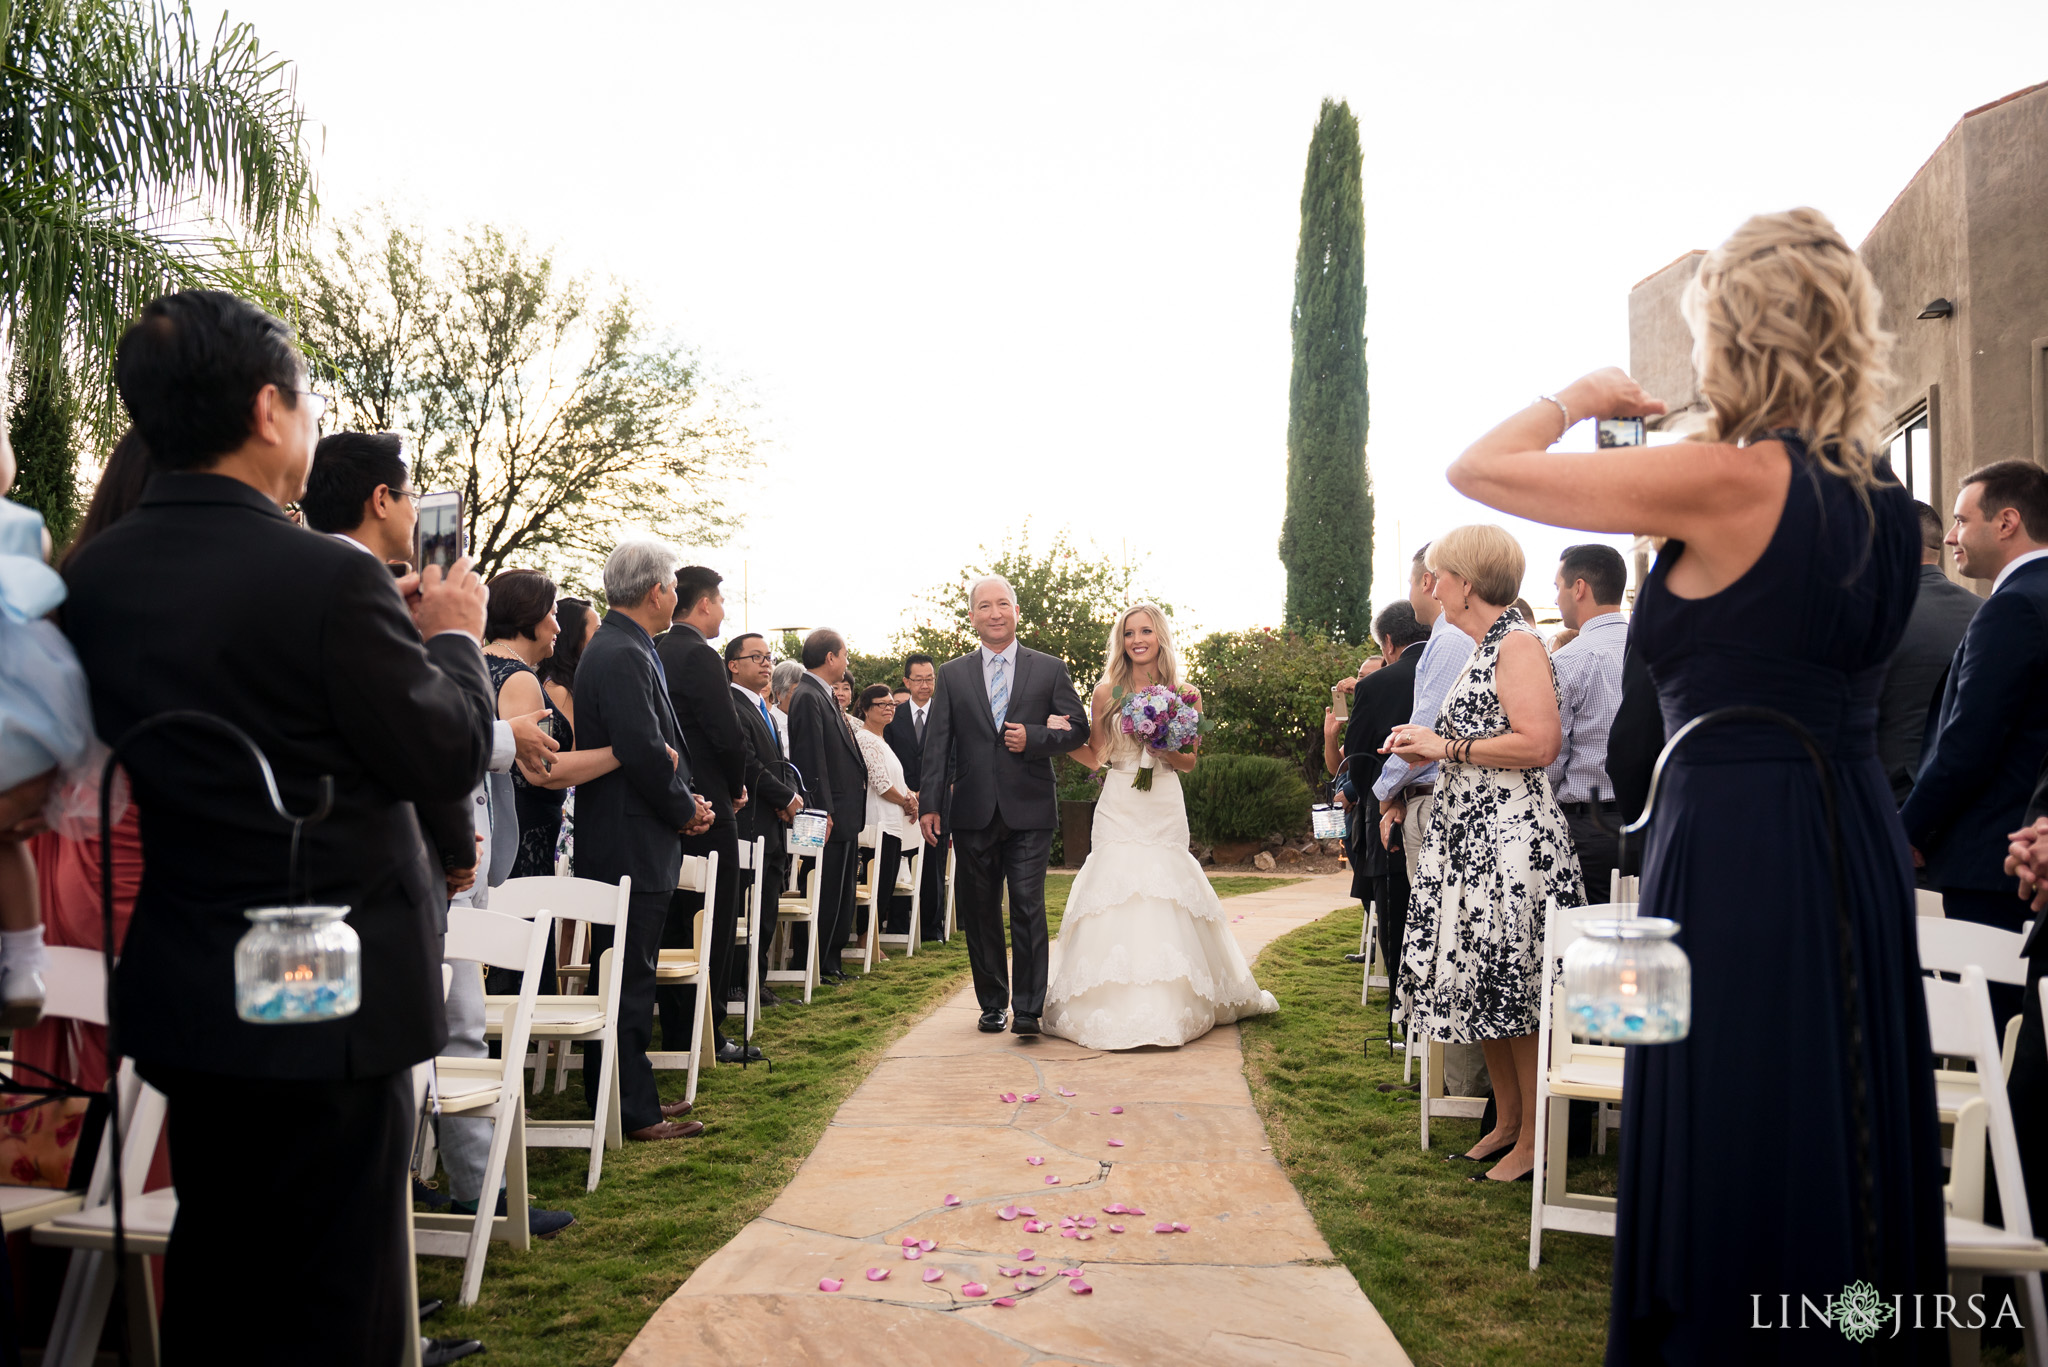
x,y
981,263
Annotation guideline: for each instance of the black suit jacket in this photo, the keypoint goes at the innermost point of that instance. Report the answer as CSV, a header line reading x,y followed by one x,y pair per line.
x,y
629,822
769,781
1913,679
1635,739
901,737
1990,735
961,744
700,691
828,758
303,643
1383,700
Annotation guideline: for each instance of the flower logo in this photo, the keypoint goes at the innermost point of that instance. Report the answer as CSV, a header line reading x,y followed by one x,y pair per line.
x,y
1859,1312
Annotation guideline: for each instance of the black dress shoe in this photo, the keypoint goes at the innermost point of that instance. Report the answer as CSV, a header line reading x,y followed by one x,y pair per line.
x,y
441,1351
991,1022
1486,1157
729,1052
1528,1176
1021,1024
768,997
429,1309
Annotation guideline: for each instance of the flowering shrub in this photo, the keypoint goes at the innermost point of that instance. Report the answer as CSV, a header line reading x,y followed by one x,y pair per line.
x,y
1265,691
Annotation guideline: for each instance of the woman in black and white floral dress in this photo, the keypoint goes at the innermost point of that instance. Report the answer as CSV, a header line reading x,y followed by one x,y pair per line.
x,y
1497,844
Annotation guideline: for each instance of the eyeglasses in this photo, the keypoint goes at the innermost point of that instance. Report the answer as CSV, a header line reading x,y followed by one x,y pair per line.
x,y
401,493
757,656
321,404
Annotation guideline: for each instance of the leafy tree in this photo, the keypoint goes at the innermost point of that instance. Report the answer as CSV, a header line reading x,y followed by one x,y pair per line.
x,y
563,418
1266,690
137,156
1326,538
1066,604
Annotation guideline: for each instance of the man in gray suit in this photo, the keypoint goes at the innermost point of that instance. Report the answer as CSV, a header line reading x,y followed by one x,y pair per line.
x,y
987,773
1912,681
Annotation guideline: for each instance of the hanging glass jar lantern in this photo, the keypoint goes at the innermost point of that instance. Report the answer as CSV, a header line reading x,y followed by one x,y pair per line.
x,y
298,964
1627,982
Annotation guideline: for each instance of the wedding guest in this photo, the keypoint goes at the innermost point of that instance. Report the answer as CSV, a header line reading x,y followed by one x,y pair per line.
x,y
558,680
700,691
1382,700
835,778
891,805
2027,1086
783,682
631,820
1590,582
773,799
1786,576
842,693
1991,730
1496,849
1941,614
905,735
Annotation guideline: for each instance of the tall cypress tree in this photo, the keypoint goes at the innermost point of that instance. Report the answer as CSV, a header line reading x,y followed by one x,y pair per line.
x,y
1326,539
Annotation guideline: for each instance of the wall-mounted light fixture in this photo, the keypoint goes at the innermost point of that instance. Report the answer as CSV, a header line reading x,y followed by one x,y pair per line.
x,y
1940,308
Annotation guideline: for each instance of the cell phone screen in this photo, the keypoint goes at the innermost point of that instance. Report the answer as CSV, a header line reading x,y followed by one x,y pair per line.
x,y
439,532
1619,431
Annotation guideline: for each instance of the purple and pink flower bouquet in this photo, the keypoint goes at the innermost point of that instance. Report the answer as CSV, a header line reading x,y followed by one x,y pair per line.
x,y
1159,718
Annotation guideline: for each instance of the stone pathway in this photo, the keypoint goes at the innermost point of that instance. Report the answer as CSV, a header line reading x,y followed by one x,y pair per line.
x,y
1250,1282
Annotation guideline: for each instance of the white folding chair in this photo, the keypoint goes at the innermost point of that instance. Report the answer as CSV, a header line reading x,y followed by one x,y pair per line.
x,y
1950,946
747,933
1927,902
74,987
692,968
1959,1025
798,908
89,1232
1567,1071
910,868
866,897
1375,957
951,865
493,1087
565,1021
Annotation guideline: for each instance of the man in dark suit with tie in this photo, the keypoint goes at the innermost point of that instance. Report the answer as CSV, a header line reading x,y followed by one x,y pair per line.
x,y
304,644
629,823
1380,701
1941,614
835,778
905,734
988,764
1991,730
701,694
773,799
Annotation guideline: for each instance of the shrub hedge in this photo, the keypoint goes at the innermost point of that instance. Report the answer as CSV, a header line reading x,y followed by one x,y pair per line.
x,y
1244,797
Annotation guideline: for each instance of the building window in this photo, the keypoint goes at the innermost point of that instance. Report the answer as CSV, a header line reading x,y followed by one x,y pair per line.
x,y
1912,453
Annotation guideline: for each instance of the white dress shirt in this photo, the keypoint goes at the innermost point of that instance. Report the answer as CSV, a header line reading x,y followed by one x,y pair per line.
x,y
1588,671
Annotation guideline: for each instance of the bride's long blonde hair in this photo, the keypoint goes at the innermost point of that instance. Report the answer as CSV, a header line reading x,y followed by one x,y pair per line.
x,y
1118,671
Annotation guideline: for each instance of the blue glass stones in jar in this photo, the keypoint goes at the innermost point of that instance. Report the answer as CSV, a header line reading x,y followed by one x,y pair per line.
x,y
1627,982
298,964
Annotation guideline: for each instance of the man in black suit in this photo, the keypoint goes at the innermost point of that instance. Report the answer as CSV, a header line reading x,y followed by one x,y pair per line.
x,y
905,735
772,799
306,645
629,822
1381,701
701,693
2027,860
988,761
1912,680
835,778
1991,729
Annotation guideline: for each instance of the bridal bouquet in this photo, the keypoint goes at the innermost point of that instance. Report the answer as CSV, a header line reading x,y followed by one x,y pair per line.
x,y
1159,719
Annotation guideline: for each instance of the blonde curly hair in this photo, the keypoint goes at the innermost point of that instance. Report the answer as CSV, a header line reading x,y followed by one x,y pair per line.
x,y
1118,671
1784,318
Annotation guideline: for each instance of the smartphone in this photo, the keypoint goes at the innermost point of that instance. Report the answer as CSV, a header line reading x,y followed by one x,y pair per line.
x,y
1340,702
437,536
1619,431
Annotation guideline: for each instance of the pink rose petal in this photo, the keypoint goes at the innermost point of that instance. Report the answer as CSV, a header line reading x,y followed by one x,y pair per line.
x,y
829,1283
1026,1210
1132,1210
974,1289
1028,1096
1080,1288
878,1274
1064,1092
1004,1301
1067,1233
910,1243
1084,1234
1010,1271
1116,1143
1035,1271
1116,1110
1008,1098
1113,1208
1053,1180
1035,1161
1087,1222
1179,1228
1095,1113
932,1274
1007,1213
1067,1222
1026,1254
1162,1228
927,1244
1069,1272
951,1200
1116,1229
1034,1226
912,1254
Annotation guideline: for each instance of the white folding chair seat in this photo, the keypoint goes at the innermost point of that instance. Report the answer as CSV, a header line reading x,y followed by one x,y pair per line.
x,y
1950,946
746,932
1377,971
75,987
692,968
1959,1025
798,908
1568,1070
492,1085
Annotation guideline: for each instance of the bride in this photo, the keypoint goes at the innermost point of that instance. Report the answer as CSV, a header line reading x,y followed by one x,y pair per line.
x,y
1145,952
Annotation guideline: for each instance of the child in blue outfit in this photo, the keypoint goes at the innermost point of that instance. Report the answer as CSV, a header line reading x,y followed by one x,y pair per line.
x,y
45,725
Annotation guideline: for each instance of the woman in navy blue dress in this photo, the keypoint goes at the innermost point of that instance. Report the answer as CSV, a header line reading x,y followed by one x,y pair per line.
x,y
1785,580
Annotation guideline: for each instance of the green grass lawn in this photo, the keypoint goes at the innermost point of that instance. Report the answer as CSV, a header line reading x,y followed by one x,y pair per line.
x,y
1446,1262
661,1209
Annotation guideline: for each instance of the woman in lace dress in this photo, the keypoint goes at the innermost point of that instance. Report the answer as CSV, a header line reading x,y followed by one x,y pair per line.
x,y
1497,844
1145,953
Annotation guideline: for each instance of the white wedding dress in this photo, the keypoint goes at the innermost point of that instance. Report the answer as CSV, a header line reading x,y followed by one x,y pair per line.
x,y
1145,952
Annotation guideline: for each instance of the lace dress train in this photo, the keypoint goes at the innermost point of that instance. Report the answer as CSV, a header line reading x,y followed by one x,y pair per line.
x,y
1145,953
